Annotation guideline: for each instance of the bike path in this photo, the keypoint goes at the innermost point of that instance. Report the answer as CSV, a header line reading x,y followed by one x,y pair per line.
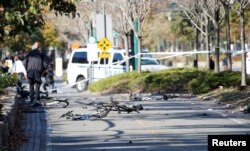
x,y
34,126
176,125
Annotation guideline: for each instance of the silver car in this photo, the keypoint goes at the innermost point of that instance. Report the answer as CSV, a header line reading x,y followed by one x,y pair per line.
x,y
151,64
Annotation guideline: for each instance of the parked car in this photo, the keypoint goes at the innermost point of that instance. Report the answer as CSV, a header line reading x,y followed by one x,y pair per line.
x,y
151,64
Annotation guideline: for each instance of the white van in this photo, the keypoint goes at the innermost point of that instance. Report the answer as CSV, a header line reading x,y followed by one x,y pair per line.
x,y
84,64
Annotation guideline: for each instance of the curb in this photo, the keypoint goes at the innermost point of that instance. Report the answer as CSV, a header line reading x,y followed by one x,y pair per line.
x,y
8,118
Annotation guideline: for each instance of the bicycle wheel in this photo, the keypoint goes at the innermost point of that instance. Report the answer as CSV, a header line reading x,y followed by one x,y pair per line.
x,y
57,103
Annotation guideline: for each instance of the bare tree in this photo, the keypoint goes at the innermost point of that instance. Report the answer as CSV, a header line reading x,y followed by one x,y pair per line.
x,y
121,25
211,9
135,11
78,28
207,31
85,10
197,17
242,4
226,5
125,28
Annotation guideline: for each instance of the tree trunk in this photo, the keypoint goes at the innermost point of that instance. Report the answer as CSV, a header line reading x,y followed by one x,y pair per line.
x,y
132,60
242,45
139,54
126,37
228,38
217,40
196,48
207,28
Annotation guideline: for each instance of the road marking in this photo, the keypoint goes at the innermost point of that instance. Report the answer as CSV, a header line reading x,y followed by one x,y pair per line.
x,y
237,121
225,115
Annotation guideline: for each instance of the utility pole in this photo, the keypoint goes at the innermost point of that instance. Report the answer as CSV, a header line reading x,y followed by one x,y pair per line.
x,y
105,24
91,25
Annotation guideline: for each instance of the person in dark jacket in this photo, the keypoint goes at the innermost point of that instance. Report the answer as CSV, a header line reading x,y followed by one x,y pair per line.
x,y
225,63
35,63
211,61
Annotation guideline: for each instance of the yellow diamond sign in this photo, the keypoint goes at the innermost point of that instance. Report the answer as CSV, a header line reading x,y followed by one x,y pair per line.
x,y
104,45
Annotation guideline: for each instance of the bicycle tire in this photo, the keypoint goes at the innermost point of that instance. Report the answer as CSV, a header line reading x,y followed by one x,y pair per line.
x,y
56,104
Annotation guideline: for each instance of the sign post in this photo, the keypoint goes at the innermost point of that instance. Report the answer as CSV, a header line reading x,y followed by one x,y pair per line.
x,y
104,45
136,25
59,67
92,56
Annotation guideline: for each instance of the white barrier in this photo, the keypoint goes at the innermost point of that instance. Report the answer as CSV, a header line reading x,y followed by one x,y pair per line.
x,y
59,67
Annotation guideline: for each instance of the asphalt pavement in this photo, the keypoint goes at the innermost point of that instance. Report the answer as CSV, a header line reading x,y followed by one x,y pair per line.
x,y
178,124
168,125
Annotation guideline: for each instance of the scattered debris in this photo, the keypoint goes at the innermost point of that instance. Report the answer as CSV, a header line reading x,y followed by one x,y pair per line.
x,y
130,142
204,114
246,110
84,107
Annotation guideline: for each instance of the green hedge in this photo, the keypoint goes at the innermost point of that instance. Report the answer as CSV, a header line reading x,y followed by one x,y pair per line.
x,y
6,80
120,82
210,81
175,80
